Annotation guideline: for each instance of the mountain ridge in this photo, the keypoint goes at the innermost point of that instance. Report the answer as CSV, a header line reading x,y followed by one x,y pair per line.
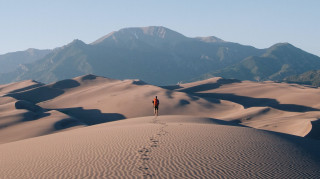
x,y
161,56
311,77
279,61
10,61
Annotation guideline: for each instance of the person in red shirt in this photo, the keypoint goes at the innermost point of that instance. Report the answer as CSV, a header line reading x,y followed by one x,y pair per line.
x,y
155,103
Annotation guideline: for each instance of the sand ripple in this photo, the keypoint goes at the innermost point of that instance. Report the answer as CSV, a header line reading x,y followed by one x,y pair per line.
x,y
166,147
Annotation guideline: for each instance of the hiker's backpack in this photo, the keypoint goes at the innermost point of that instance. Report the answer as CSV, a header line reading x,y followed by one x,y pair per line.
x,y
155,102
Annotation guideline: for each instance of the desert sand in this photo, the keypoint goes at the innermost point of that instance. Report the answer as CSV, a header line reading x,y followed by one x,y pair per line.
x,y
95,127
163,147
280,107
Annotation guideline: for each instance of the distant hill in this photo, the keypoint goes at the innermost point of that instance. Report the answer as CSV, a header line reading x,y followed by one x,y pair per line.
x,y
308,78
160,56
279,61
10,61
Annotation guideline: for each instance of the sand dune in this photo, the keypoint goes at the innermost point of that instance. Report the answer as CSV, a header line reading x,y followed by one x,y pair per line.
x,y
22,119
284,93
95,127
163,147
88,97
90,100
280,107
119,96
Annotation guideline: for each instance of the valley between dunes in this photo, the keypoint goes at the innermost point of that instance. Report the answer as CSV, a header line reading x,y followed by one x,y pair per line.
x,y
95,127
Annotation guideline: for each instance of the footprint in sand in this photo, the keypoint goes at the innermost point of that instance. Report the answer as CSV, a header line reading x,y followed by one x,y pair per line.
x,y
153,142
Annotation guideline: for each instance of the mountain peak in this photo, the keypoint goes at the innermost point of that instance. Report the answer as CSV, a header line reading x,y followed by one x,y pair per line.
x,y
282,44
283,47
159,31
147,34
31,51
77,41
209,39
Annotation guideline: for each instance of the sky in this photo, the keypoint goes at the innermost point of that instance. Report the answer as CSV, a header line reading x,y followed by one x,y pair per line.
x,y
47,24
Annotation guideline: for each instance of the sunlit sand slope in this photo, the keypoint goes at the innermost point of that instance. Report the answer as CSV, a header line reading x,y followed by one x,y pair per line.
x,y
163,147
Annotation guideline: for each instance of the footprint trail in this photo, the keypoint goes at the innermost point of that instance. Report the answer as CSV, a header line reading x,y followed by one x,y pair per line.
x,y
145,153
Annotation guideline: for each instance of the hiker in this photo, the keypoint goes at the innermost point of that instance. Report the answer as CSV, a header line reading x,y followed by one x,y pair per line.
x,y
155,103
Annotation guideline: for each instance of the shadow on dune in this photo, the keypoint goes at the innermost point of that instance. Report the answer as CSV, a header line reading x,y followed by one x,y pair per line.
x,y
8,124
31,116
309,146
139,82
22,104
91,116
67,123
226,123
210,86
44,93
26,88
169,94
34,111
89,77
37,95
315,131
25,117
248,102
194,98
65,84
210,99
172,87
183,102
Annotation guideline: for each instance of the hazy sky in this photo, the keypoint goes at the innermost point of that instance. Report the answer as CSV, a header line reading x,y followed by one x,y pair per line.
x,y
46,24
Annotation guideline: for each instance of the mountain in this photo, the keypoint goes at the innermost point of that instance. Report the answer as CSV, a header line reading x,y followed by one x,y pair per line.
x,y
156,55
10,61
308,78
279,61
160,56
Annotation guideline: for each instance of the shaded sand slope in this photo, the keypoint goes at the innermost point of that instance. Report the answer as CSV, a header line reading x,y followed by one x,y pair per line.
x,y
280,107
90,100
21,119
91,97
263,92
19,86
29,109
163,147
